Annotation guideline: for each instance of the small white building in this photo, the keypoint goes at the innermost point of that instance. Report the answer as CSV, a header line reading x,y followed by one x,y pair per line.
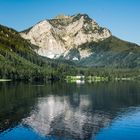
x,y
80,76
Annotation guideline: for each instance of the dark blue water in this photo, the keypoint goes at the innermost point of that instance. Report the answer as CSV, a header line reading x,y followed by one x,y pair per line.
x,y
60,111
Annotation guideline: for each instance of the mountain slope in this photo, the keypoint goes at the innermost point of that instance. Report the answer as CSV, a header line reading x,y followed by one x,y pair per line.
x,y
17,58
80,39
19,61
112,52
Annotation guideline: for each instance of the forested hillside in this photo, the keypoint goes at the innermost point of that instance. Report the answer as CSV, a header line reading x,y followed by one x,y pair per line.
x,y
19,61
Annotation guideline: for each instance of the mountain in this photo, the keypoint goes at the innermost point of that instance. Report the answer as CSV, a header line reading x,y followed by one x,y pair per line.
x,y
57,37
80,39
66,45
18,60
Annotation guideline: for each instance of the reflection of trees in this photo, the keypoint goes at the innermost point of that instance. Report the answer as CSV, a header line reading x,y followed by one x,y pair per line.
x,y
15,103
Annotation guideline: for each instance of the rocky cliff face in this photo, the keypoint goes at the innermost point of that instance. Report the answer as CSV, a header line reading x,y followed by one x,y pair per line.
x,y
61,37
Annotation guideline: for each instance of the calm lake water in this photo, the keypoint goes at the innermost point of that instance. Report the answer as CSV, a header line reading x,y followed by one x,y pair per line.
x,y
61,111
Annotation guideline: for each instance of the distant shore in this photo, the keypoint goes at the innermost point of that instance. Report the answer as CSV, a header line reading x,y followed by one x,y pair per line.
x,y
5,80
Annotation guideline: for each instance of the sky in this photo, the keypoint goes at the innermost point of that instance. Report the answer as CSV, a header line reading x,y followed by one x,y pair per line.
x,y
122,17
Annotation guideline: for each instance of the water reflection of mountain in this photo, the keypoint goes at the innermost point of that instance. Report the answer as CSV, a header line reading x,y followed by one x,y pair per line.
x,y
65,109
55,116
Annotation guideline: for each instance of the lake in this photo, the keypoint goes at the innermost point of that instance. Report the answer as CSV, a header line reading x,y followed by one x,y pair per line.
x,y
62,111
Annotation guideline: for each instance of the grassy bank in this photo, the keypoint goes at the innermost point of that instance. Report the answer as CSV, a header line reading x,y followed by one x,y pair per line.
x,y
91,79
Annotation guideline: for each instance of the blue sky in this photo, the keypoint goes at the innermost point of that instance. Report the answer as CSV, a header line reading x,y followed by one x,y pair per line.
x,y
122,17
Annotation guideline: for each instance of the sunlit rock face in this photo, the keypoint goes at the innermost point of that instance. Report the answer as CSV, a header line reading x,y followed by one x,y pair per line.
x,y
56,37
56,116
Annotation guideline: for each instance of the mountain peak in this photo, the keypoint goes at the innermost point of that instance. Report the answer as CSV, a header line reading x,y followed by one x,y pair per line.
x,y
57,37
61,16
81,15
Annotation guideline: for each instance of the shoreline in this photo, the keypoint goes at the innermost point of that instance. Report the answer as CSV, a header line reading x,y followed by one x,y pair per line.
x,y
5,80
